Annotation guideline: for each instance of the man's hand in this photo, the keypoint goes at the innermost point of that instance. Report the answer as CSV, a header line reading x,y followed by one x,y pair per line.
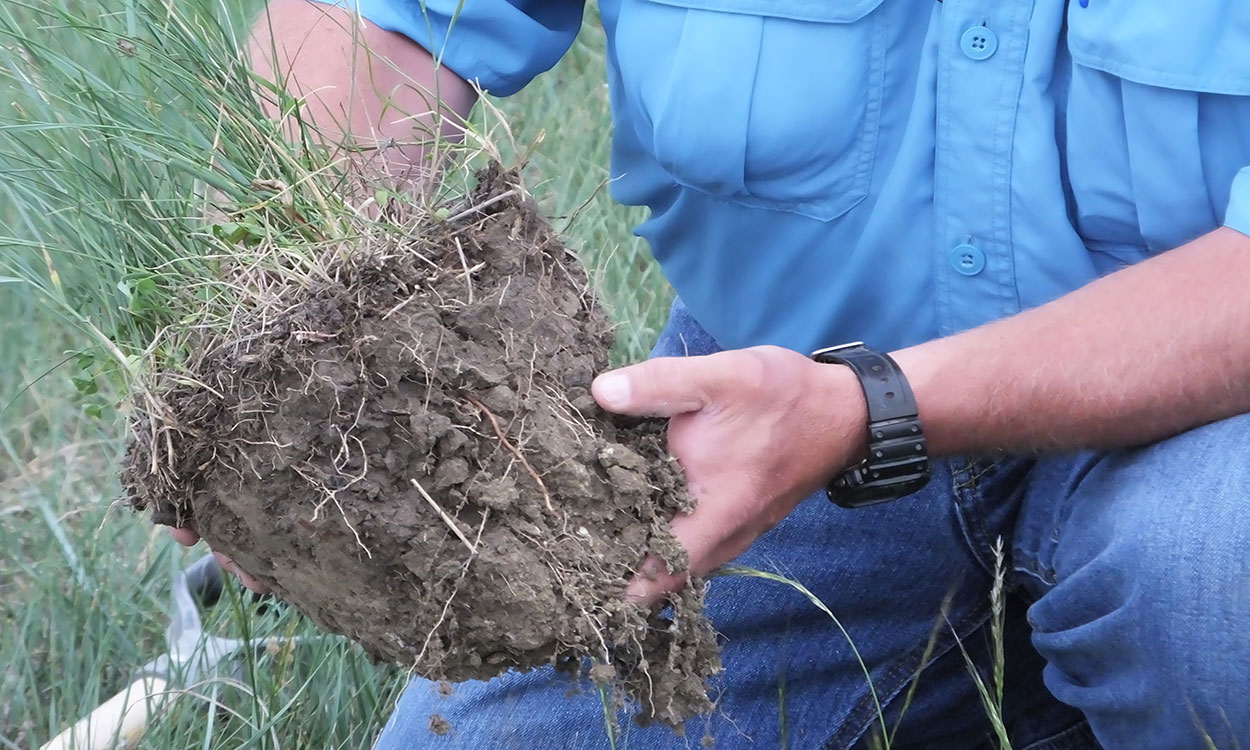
x,y
188,537
755,430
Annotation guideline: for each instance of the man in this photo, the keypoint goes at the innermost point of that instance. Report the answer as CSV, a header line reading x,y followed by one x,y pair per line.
x,y
1040,209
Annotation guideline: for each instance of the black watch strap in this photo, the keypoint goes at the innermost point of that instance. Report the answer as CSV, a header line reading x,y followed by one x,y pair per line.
x,y
897,462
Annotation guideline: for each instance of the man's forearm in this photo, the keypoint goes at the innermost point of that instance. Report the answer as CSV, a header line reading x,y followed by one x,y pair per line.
x,y
1132,358
361,87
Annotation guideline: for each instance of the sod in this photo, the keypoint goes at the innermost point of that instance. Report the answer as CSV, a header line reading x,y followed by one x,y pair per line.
x,y
408,452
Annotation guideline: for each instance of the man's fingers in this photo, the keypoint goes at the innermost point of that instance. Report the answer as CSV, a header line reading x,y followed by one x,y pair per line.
x,y
226,564
184,536
652,582
667,386
706,551
250,582
188,537
230,566
653,579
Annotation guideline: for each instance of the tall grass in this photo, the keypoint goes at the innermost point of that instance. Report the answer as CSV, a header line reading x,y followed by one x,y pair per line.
x,y
121,124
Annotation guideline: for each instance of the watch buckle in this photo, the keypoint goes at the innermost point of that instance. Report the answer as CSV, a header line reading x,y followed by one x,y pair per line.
x,y
835,349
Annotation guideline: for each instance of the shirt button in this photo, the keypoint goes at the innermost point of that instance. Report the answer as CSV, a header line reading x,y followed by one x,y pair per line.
x,y
967,259
979,43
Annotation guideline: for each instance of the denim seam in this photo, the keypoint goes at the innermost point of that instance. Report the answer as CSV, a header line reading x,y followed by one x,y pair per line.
x,y
967,511
1076,737
975,476
1036,570
1033,565
897,676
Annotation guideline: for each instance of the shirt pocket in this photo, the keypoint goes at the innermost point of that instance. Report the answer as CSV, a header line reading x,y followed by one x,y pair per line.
x,y
766,103
1158,120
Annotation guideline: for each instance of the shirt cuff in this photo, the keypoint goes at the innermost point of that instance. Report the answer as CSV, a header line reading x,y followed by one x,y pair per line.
x,y
1238,215
498,44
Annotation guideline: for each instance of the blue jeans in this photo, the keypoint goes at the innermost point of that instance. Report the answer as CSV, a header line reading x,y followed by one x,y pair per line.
x,y
1127,615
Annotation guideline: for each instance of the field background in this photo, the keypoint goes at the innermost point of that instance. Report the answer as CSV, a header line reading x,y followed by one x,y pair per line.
x,y
84,584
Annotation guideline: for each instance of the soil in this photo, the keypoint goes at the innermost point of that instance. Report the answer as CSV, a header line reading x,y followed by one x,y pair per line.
x,y
439,725
408,452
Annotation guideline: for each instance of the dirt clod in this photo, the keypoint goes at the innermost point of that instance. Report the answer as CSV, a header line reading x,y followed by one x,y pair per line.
x,y
439,725
407,452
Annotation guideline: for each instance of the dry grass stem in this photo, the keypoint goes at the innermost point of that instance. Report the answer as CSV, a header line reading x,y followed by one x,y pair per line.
x,y
408,300
542,486
484,204
468,273
451,522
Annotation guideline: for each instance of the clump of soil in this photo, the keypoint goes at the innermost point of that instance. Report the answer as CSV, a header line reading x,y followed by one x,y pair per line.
x,y
409,454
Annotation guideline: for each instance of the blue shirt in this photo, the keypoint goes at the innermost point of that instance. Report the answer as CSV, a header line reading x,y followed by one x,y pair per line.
x,y
892,170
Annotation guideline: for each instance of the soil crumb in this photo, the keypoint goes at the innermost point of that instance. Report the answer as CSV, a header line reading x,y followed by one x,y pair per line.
x,y
439,725
408,452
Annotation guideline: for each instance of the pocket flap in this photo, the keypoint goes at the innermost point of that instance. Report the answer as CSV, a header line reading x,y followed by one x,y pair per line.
x,y
1202,46
821,11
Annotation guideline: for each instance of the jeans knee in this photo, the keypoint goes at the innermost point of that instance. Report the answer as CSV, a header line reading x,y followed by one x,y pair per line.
x,y
1145,628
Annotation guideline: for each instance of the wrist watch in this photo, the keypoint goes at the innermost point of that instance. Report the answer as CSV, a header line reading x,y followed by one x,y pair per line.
x,y
897,462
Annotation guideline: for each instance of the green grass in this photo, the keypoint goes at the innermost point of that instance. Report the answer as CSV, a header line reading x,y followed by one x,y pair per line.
x,y
83,584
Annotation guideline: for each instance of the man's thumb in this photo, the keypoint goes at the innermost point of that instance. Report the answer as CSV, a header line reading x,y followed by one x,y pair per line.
x,y
661,387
